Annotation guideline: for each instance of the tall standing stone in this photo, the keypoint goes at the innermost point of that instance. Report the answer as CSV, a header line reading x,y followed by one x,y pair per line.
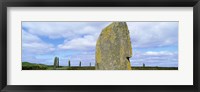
x,y
56,62
113,48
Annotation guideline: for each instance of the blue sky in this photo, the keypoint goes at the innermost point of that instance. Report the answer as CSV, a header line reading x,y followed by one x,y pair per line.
x,y
153,43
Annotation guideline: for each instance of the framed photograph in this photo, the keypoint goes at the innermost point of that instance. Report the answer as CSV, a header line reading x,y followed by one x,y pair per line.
x,y
121,45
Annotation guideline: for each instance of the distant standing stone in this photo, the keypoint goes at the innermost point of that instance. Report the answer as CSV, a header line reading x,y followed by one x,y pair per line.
x,y
56,62
113,48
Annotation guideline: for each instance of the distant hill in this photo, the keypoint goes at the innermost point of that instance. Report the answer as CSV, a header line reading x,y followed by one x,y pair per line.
x,y
33,66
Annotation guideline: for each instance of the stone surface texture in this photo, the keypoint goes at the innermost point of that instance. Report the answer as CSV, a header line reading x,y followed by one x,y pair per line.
x,y
113,48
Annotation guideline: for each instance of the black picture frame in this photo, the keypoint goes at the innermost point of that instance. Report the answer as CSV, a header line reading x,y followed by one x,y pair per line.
x,y
99,3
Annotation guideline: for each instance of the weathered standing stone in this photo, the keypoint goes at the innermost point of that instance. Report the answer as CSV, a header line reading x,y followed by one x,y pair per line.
x,y
56,62
69,64
143,65
80,64
113,48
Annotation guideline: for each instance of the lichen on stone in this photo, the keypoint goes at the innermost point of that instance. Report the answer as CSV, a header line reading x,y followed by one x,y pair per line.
x,y
114,47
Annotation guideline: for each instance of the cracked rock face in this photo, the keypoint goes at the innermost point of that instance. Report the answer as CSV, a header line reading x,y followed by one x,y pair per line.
x,y
113,48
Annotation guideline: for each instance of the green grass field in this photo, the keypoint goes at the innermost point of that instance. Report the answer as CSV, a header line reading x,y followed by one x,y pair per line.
x,y
33,66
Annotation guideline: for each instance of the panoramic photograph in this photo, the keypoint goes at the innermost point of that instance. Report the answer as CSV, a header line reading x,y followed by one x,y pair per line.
x,y
100,45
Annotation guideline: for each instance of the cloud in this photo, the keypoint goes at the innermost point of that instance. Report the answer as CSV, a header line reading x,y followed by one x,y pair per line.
x,y
155,58
68,30
153,34
27,37
33,44
143,34
165,53
87,42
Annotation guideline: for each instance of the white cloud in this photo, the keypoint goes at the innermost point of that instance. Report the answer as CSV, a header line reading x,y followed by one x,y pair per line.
x,y
85,43
143,34
27,37
155,58
153,34
37,47
33,44
153,53
68,30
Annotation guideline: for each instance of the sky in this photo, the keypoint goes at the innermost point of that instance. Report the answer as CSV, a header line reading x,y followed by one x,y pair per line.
x,y
153,43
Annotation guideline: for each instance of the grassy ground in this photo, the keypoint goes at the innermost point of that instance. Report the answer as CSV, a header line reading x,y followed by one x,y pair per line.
x,y
154,68
32,66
